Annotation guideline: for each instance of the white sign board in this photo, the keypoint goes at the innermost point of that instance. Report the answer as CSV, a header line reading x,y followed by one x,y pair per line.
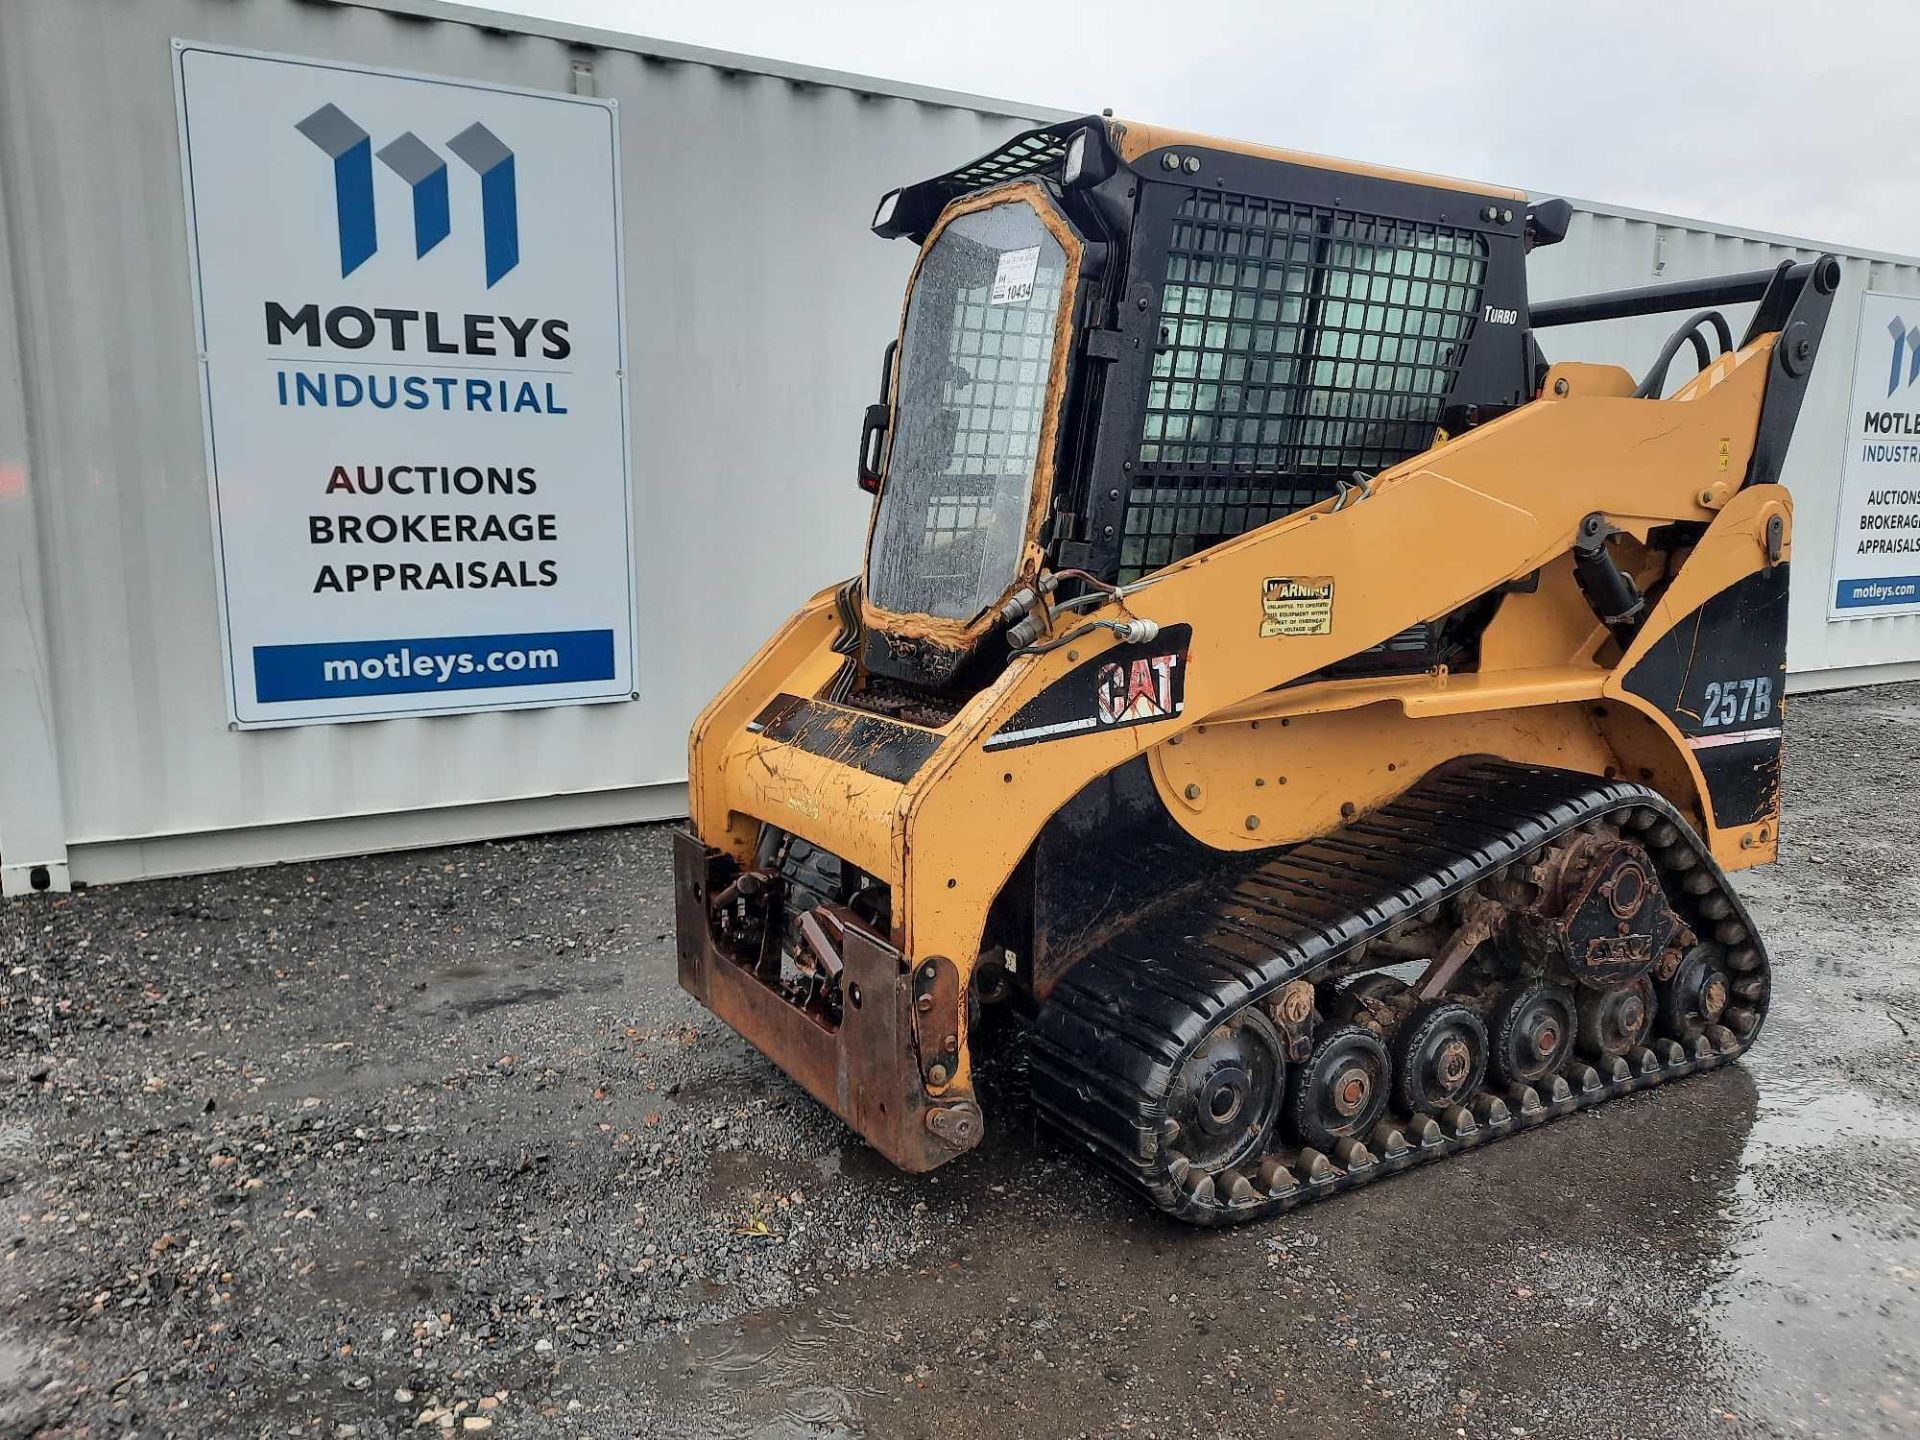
x,y
413,371
1876,546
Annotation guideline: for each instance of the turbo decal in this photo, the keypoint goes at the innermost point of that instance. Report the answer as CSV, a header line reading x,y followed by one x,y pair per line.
x,y
1127,685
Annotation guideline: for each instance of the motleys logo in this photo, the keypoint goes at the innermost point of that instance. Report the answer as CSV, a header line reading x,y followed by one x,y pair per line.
x,y
420,165
1906,353
1136,690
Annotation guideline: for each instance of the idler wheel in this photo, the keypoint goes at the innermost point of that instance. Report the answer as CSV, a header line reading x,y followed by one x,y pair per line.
x,y
1531,1030
1439,1058
1340,1090
1697,995
1617,1021
1228,1092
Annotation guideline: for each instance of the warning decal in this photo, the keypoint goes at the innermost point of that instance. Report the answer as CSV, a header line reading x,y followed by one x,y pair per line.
x,y
1296,605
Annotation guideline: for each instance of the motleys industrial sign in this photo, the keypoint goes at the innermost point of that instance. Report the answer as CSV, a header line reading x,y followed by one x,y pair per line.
x,y
409,304
1876,548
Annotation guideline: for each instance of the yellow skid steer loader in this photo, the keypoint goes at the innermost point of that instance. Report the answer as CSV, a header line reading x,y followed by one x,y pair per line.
x,y
1322,720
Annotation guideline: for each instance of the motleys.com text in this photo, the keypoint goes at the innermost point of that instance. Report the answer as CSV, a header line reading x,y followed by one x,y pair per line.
x,y
330,668
398,664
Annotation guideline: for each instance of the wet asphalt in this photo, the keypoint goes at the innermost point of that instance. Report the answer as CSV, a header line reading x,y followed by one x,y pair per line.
x,y
432,1144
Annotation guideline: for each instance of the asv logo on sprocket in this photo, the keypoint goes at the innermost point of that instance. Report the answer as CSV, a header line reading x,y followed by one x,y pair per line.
x,y
1140,690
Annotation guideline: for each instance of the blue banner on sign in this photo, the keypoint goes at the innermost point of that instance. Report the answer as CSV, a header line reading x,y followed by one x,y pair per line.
x,y
1887,590
447,662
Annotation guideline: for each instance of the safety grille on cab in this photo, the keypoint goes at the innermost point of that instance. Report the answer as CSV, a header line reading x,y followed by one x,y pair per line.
x,y
1297,345
1024,155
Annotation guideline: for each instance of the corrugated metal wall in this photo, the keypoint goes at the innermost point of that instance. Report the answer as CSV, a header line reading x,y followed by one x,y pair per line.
x,y
757,307
1613,249
758,304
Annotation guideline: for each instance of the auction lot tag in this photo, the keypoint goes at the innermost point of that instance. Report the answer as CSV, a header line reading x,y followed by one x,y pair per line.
x,y
1013,277
408,296
1296,605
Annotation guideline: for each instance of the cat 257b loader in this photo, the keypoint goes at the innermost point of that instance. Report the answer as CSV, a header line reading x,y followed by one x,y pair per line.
x,y
1322,720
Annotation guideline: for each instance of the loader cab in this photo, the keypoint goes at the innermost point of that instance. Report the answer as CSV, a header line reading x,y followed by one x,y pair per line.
x,y
1122,346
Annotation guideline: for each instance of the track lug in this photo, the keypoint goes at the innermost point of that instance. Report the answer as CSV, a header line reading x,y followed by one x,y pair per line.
x,y
1743,958
1352,1155
1424,1131
1646,1064
1701,1048
1459,1121
1177,1167
1239,1190
1275,1179
1390,1141
1525,1101
1584,1078
1556,1093
1169,1130
1750,988
1670,1053
1724,1040
1742,1021
1317,1168
1730,932
1716,907
1614,1070
1491,1111
1199,1188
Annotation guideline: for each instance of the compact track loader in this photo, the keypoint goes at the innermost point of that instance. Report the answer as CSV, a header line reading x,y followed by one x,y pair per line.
x,y
1323,721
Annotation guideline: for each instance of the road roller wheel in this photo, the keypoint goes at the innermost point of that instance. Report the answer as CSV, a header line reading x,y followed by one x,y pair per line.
x,y
1340,1090
1618,1020
1530,1034
1439,1058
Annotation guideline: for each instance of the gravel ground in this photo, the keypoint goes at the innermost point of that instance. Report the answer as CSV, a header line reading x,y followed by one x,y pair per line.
x,y
432,1142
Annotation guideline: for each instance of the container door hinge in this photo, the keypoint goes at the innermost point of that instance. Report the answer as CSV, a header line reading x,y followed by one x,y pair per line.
x,y
1104,344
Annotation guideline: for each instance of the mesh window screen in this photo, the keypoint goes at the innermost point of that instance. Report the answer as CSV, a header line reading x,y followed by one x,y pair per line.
x,y
974,365
1028,153
1297,344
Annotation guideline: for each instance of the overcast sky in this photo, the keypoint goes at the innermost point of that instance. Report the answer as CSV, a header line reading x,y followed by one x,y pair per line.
x,y
1794,117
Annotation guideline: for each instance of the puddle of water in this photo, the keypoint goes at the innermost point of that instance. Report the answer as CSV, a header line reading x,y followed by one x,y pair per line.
x,y
501,999
371,1272
476,987
861,1164
1823,1294
1803,1108
15,1361
765,1377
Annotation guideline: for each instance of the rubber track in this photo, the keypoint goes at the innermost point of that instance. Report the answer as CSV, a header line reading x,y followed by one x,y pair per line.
x,y
1115,1031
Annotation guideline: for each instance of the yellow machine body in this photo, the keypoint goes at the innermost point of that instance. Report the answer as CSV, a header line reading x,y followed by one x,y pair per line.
x,y
1250,746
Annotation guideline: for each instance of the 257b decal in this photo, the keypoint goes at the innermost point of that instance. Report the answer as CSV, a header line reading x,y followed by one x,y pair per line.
x,y
1737,702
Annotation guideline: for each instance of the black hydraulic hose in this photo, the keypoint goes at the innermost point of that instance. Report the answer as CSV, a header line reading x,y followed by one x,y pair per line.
x,y
1656,381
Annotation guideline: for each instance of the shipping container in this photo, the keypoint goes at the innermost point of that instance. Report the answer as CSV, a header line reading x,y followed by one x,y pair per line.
x,y
751,309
